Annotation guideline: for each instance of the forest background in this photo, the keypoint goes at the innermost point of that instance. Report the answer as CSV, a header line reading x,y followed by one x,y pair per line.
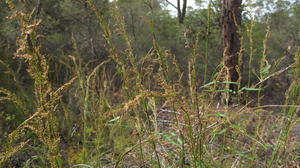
x,y
123,84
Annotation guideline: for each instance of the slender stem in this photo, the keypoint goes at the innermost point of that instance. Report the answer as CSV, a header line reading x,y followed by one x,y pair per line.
x,y
207,40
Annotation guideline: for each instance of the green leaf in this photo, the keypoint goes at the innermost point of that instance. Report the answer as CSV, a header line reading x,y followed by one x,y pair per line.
x,y
180,141
235,126
245,156
221,115
249,89
208,84
229,82
169,139
115,119
224,90
266,69
216,82
296,157
83,165
291,112
222,131
267,145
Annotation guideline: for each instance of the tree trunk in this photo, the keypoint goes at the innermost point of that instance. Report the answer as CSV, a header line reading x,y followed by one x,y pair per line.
x,y
181,11
231,20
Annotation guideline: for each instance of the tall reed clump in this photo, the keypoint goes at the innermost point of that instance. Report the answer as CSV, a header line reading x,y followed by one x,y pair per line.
x,y
290,121
293,94
42,123
109,117
249,29
264,69
140,92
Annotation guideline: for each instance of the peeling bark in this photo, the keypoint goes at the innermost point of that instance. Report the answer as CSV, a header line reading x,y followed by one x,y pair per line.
x,y
231,22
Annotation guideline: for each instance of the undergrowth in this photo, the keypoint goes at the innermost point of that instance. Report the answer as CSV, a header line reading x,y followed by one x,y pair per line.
x,y
133,111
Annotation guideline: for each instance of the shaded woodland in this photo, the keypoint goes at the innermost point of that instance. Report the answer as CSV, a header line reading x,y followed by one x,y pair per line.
x,y
128,83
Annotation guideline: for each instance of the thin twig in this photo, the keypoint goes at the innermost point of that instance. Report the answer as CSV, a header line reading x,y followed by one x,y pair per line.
x,y
271,105
274,74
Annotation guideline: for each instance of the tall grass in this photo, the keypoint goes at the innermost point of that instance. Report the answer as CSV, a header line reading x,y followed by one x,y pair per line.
x,y
136,111
42,123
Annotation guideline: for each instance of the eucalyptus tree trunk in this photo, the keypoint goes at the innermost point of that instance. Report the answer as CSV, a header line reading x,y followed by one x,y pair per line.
x,y
181,11
231,22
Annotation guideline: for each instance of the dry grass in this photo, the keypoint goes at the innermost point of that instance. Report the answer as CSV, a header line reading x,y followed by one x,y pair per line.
x,y
151,119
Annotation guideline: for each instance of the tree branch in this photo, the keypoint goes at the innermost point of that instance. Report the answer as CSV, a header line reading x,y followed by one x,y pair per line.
x,y
170,3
